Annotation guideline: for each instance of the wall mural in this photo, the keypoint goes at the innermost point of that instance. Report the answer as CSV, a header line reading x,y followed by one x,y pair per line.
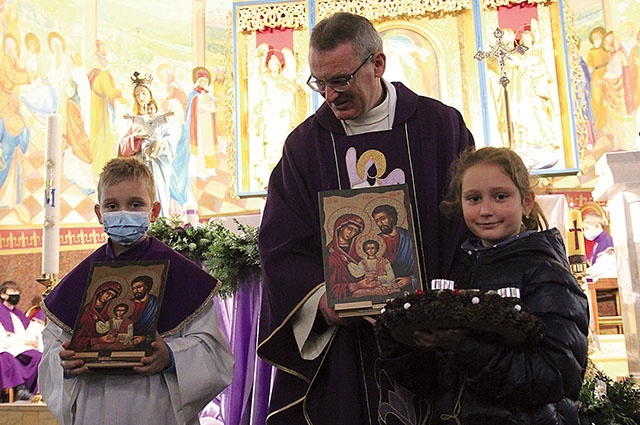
x,y
222,151
44,69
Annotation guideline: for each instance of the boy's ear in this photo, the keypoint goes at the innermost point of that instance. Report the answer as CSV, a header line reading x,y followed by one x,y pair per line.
x,y
155,211
96,209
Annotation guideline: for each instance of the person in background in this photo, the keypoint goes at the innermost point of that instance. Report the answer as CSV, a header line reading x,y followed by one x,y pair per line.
x,y
190,360
368,132
20,345
601,256
475,377
593,225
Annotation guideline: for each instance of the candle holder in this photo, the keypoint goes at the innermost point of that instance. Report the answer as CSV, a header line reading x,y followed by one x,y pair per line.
x,y
49,281
578,266
502,51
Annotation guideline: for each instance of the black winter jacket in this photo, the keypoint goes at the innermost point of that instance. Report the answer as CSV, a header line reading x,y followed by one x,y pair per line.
x,y
488,382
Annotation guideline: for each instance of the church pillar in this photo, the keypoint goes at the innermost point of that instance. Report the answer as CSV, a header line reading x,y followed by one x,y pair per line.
x,y
89,29
619,184
198,33
610,14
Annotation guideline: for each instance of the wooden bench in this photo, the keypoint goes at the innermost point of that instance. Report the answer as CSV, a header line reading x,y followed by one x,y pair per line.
x,y
605,306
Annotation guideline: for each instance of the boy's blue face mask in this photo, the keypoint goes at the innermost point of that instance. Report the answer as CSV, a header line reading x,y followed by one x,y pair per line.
x,y
125,227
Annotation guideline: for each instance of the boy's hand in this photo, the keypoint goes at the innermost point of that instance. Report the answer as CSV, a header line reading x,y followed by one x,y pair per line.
x,y
72,367
159,360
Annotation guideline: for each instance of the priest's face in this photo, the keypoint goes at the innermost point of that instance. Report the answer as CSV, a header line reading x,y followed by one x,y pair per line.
x,y
364,89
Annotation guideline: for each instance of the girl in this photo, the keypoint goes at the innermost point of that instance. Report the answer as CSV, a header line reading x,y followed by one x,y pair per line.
x,y
471,378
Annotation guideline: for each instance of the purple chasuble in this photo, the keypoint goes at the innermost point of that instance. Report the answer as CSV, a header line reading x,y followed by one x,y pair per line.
x,y
5,317
188,288
345,385
10,371
23,368
602,242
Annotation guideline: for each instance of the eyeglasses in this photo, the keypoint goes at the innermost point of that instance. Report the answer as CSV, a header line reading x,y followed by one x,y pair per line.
x,y
340,84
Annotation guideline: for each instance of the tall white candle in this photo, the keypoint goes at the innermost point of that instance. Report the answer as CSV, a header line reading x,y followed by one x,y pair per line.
x,y
52,175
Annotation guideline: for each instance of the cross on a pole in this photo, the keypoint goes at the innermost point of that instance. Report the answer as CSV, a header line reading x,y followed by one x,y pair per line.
x,y
501,52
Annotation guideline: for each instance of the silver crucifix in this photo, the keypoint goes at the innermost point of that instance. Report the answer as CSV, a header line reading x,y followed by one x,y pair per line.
x,y
502,52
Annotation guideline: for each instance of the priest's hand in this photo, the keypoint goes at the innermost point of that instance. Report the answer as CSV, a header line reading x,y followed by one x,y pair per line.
x,y
330,315
71,367
159,360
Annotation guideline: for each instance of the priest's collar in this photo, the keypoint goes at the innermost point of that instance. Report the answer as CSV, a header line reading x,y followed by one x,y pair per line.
x,y
379,118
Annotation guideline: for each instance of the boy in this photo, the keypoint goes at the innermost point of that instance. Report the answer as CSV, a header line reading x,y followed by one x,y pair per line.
x,y
190,361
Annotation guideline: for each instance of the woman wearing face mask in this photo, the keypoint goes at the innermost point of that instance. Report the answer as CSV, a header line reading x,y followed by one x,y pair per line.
x,y
19,345
594,231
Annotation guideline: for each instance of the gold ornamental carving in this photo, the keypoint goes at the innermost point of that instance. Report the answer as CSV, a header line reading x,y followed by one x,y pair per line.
x,y
377,10
280,15
578,87
494,4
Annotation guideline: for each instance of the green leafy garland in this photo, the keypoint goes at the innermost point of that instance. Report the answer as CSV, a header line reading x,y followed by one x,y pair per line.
x,y
607,402
230,257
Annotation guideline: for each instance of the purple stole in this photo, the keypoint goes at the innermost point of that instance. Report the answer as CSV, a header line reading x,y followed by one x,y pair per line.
x,y
5,317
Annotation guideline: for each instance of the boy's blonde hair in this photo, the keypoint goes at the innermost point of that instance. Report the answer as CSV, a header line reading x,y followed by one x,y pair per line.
x,y
126,169
511,164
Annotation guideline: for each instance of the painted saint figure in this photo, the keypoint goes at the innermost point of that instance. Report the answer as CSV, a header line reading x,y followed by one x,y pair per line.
x,y
155,148
200,120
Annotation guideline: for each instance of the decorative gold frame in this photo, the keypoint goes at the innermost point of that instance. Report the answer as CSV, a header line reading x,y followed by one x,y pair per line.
x,y
258,139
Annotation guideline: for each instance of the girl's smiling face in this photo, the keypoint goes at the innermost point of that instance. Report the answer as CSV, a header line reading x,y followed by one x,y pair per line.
x,y
491,203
